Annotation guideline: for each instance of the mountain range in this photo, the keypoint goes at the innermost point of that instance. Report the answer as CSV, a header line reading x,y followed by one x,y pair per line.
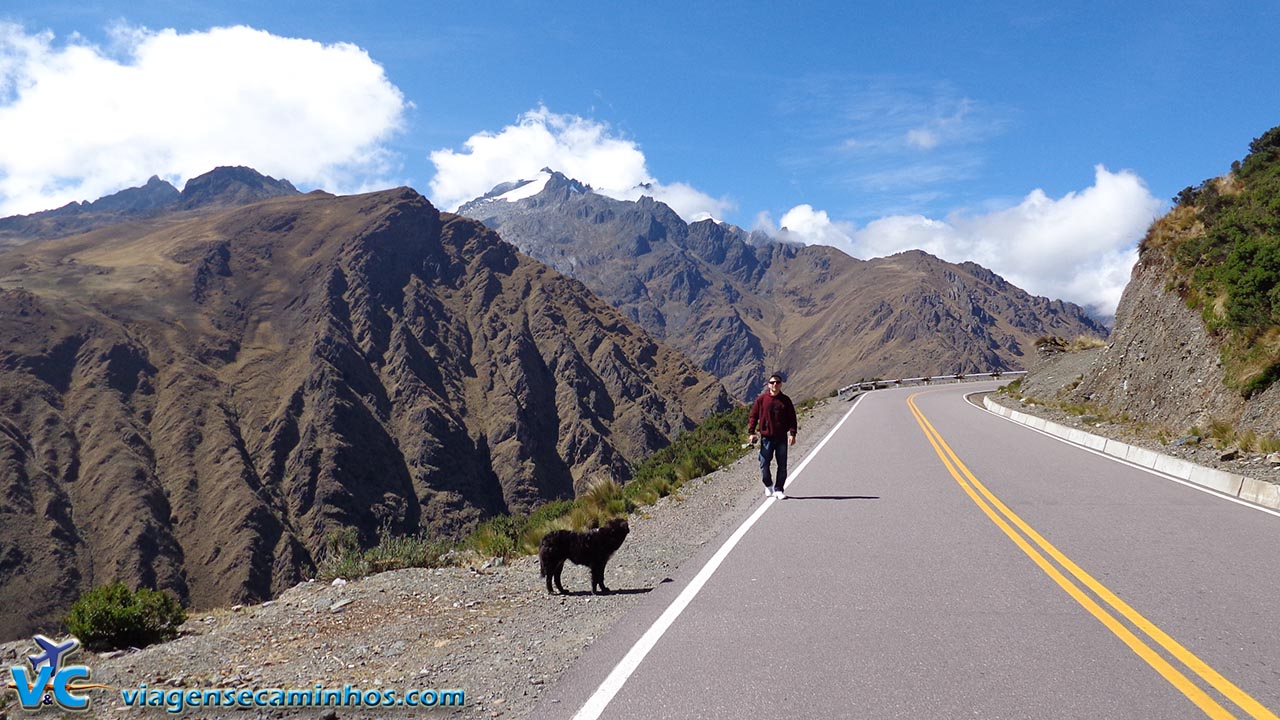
x,y
227,187
743,305
198,389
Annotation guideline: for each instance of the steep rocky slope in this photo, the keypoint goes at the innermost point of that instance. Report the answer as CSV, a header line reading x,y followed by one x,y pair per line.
x,y
195,400
1180,352
1161,363
742,305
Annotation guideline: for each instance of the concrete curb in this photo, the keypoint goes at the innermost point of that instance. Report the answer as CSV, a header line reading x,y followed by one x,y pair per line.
x,y
1244,488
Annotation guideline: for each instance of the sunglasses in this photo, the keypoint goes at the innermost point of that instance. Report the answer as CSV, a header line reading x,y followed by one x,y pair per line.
x,y
775,382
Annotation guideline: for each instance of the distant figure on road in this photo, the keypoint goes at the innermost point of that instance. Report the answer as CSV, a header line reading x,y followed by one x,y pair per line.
x,y
774,415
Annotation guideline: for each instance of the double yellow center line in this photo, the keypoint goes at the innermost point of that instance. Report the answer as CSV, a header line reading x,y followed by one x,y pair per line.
x,y
1007,520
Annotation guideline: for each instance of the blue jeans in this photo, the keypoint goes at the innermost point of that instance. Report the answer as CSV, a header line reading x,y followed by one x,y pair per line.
x,y
771,448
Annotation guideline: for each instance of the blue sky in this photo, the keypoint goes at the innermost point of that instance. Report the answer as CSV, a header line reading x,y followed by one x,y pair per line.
x,y
1038,139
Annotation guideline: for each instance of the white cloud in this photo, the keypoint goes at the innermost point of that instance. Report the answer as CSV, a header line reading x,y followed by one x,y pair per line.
x,y
814,227
95,120
1080,247
580,148
923,139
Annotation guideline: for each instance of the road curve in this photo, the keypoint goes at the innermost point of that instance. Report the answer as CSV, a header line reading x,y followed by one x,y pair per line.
x,y
933,560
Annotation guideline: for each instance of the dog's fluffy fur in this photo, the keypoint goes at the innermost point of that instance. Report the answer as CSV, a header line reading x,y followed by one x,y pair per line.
x,y
592,548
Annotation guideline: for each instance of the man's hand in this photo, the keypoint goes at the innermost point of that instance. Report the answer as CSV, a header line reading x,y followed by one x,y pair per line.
x,y
751,439
792,440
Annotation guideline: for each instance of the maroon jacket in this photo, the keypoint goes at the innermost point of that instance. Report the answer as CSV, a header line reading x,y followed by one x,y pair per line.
x,y
774,414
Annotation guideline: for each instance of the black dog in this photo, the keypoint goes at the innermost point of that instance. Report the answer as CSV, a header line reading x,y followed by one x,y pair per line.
x,y
592,548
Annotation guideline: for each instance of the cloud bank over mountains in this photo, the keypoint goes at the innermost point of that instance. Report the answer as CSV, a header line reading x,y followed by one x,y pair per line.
x,y
94,119
1080,247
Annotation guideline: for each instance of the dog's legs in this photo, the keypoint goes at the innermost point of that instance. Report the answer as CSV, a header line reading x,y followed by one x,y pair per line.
x,y
553,574
558,568
597,578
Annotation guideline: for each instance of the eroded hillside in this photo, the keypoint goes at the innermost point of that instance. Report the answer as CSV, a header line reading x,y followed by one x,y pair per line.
x,y
196,400
743,305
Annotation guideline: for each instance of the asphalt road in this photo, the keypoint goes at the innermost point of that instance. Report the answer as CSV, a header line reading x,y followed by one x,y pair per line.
x,y
933,560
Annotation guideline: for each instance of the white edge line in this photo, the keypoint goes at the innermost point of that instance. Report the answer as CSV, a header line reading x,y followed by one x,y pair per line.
x,y
596,704
1122,461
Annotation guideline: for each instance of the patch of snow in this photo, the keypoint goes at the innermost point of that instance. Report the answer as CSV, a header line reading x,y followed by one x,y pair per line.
x,y
526,189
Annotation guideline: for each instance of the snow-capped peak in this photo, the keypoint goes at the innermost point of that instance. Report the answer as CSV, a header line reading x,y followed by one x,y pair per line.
x,y
526,188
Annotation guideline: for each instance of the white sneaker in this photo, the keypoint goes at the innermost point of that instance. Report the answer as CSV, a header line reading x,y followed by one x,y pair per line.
x,y
779,494
768,490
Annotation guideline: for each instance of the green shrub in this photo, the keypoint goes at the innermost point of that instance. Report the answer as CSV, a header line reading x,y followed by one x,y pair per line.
x,y
602,501
345,559
1077,409
498,536
113,617
550,512
713,444
1229,268
397,552
1013,389
1248,440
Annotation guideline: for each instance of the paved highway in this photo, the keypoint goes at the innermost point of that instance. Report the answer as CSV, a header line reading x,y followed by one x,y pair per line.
x,y
933,560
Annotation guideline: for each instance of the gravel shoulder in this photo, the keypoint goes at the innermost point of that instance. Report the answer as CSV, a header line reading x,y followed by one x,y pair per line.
x,y
490,630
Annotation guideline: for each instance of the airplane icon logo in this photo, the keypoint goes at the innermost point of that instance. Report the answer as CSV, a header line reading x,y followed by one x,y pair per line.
x,y
53,653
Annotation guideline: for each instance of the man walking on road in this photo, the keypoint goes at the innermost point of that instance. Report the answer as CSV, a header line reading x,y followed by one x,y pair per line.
x,y
775,416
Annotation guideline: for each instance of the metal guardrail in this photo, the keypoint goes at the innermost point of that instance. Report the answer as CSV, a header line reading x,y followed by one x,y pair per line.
x,y
930,380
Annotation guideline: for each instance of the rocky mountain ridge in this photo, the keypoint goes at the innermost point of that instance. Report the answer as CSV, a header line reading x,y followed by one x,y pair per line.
x,y
743,305
198,399
223,187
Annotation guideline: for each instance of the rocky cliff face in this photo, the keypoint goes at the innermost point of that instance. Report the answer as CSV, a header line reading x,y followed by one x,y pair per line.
x,y
197,400
1164,367
742,305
